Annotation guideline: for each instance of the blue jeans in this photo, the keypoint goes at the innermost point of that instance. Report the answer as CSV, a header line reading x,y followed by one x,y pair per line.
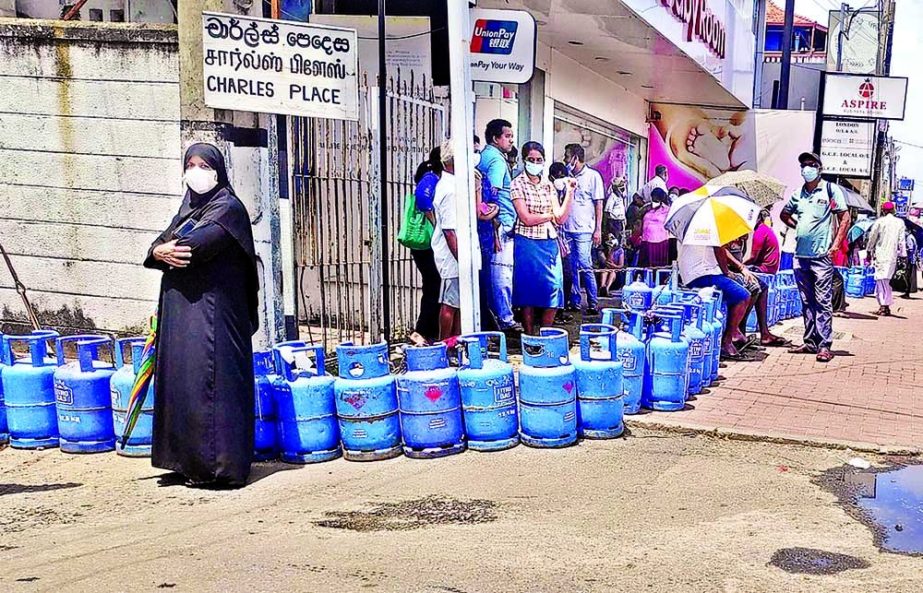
x,y
815,283
501,281
581,265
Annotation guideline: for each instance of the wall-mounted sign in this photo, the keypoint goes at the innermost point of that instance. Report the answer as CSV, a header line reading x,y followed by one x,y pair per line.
x,y
271,66
846,147
502,46
864,97
700,23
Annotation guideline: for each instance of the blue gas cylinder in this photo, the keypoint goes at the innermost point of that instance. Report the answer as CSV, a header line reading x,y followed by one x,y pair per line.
x,y
600,390
4,428
855,283
637,295
712,341
632,353
488,394
265,421
713,297
120,386
695,335
430,404
82,396
305,405
366,403
28,392
547,391
668,355
869,280
752,324
663,291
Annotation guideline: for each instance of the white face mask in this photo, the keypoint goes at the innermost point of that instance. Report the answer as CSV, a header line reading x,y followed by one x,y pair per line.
x,y
534,169
560,184
200,180
810,173
476,159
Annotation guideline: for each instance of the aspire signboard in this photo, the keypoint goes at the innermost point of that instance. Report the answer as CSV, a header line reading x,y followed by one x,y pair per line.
x,y
864,97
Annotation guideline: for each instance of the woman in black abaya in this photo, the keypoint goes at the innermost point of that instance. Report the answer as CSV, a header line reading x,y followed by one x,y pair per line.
x,y
203,405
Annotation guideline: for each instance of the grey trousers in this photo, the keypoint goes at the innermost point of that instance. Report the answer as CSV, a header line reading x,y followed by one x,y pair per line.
x,y
815,283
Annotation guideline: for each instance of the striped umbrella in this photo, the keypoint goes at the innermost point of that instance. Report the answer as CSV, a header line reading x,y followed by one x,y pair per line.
x,y
711,215
142,382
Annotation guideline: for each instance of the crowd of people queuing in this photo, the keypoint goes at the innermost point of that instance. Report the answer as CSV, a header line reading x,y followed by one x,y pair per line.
x,y
554,238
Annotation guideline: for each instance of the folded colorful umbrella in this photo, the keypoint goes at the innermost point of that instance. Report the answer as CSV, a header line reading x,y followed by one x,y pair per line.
x,y
142,381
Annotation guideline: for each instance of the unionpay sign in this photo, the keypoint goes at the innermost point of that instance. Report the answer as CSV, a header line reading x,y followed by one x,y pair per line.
x,y
502,46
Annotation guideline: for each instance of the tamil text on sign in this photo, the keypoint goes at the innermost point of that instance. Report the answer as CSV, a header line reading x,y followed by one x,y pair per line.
x,y
272,66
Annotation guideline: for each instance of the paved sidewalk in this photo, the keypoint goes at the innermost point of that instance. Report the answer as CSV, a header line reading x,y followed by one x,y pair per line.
x,y
871,393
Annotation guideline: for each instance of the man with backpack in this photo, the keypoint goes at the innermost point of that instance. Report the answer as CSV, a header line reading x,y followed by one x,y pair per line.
x,y
819,215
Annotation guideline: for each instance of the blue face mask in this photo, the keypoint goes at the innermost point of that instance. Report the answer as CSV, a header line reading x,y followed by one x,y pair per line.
x,y
810,174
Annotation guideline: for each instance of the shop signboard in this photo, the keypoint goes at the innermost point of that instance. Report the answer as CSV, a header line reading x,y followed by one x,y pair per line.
x,y
502,46
846,147
716,34
905,184
864,97
860,44
272,66
901,205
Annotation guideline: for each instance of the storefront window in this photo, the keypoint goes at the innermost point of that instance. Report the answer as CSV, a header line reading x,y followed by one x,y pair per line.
x,y
610,150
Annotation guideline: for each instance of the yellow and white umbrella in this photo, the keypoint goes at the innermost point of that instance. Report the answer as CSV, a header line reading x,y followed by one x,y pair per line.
x,y
711,215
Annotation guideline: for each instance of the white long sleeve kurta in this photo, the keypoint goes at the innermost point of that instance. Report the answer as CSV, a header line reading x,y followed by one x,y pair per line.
x,y
886,243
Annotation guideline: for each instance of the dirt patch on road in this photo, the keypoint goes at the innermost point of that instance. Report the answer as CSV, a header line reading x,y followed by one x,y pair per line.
x,y
412,514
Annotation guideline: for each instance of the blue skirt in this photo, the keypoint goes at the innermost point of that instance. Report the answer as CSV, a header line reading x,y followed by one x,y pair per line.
x,y
538,277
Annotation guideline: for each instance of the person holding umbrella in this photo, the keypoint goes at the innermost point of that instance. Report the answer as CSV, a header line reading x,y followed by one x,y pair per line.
x,y
704,221
814,212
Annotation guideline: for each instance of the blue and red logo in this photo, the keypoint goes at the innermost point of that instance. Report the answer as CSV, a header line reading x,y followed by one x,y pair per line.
x,y
493,37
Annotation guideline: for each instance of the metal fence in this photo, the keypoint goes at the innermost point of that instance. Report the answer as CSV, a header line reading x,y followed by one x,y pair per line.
x,y
335,201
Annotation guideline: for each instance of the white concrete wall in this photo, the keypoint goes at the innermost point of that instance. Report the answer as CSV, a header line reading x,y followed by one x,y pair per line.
x,y
89,167
572,84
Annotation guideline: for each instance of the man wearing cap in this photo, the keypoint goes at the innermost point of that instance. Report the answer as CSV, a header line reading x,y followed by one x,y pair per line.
x,y
820,218
886,243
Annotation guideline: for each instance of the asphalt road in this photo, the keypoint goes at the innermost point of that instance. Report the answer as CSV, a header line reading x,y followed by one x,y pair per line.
x,y
653,512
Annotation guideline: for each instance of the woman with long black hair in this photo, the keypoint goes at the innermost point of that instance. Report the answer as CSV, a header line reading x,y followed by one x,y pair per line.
x,y
203,378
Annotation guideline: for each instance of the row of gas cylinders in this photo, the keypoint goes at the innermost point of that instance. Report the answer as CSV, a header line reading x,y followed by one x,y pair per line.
x,y
783,301
859,281
305,415
81,405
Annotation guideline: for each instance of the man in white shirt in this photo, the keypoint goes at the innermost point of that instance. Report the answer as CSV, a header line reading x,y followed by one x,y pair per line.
x,y
701,266
445,245
583,229
659,180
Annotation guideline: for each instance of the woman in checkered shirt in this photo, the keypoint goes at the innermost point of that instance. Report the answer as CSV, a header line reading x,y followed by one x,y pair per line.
x,y
538,282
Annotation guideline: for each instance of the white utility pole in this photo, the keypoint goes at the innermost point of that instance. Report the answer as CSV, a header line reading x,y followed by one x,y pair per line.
x,y
462,133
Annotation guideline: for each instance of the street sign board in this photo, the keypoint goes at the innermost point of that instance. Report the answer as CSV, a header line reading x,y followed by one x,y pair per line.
x,y
901,205
272,66
864,97
905,184
846,147
502,46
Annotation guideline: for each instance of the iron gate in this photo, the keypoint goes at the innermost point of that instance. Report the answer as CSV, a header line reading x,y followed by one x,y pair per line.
x,y
334,196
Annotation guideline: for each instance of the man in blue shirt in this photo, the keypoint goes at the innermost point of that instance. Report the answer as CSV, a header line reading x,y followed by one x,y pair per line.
x,y
583,229
819,215
495,168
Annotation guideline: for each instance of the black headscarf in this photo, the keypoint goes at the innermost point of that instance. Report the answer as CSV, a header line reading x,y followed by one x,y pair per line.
x,y
220,206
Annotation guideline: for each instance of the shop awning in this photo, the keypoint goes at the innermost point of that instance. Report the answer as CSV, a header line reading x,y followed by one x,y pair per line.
x,y
610,38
